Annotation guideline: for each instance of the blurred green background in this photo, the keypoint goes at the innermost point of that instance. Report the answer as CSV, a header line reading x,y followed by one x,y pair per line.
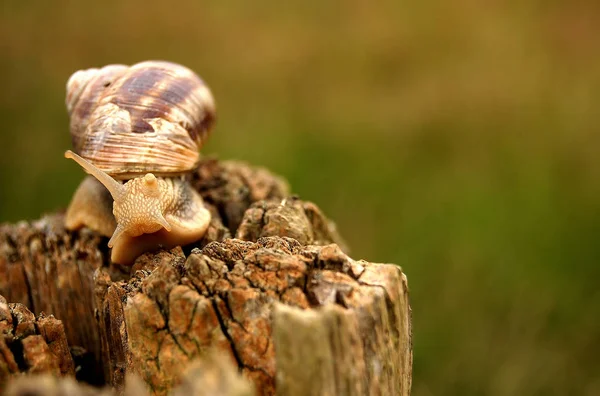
x,y
459,140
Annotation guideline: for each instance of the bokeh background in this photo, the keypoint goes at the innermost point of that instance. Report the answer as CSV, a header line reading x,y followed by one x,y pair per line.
x,y
459,140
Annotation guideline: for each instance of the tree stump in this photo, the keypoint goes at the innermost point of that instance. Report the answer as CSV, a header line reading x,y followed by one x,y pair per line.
x,y
31,345
280,301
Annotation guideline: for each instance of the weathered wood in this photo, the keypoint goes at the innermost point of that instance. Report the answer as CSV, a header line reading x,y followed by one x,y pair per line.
x,y
280,294
318,352
48,385
49,270
31,345
213,376
358,343
291,218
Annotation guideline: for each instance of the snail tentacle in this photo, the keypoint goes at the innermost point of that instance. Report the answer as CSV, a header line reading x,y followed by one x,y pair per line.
x,y
115,188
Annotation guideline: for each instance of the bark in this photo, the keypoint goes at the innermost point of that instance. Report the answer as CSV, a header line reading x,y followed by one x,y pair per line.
x,y
31,345
281,301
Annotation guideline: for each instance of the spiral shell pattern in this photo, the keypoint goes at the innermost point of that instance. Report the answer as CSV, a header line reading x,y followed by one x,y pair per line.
x,y
130,120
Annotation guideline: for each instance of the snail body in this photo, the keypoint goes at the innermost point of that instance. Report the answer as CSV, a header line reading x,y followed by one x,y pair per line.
x,y
143,125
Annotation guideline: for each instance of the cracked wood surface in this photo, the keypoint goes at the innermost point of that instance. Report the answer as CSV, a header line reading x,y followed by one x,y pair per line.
x,y
31,345
279,301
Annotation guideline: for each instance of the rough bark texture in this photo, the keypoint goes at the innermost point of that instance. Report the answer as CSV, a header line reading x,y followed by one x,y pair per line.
x,y
31,345
281,301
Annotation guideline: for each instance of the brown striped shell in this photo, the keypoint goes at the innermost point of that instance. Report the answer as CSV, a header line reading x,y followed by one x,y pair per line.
x,y
130,120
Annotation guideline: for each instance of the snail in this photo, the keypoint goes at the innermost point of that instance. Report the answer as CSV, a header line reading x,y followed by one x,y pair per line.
x,y
137,130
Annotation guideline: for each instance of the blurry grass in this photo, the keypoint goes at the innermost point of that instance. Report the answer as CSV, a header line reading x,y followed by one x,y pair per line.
x,y
458,140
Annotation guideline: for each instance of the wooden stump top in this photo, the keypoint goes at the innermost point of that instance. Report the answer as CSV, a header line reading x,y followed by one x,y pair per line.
x,y
280,301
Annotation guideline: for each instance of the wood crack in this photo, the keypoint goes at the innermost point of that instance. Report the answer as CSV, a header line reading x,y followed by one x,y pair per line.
x,y
230,298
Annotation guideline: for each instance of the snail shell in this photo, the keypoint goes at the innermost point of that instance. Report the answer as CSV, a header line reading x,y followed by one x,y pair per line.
x,y
130,120
144,123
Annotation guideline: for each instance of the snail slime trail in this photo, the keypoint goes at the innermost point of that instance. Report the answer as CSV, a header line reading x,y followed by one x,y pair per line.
x,y
136,130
